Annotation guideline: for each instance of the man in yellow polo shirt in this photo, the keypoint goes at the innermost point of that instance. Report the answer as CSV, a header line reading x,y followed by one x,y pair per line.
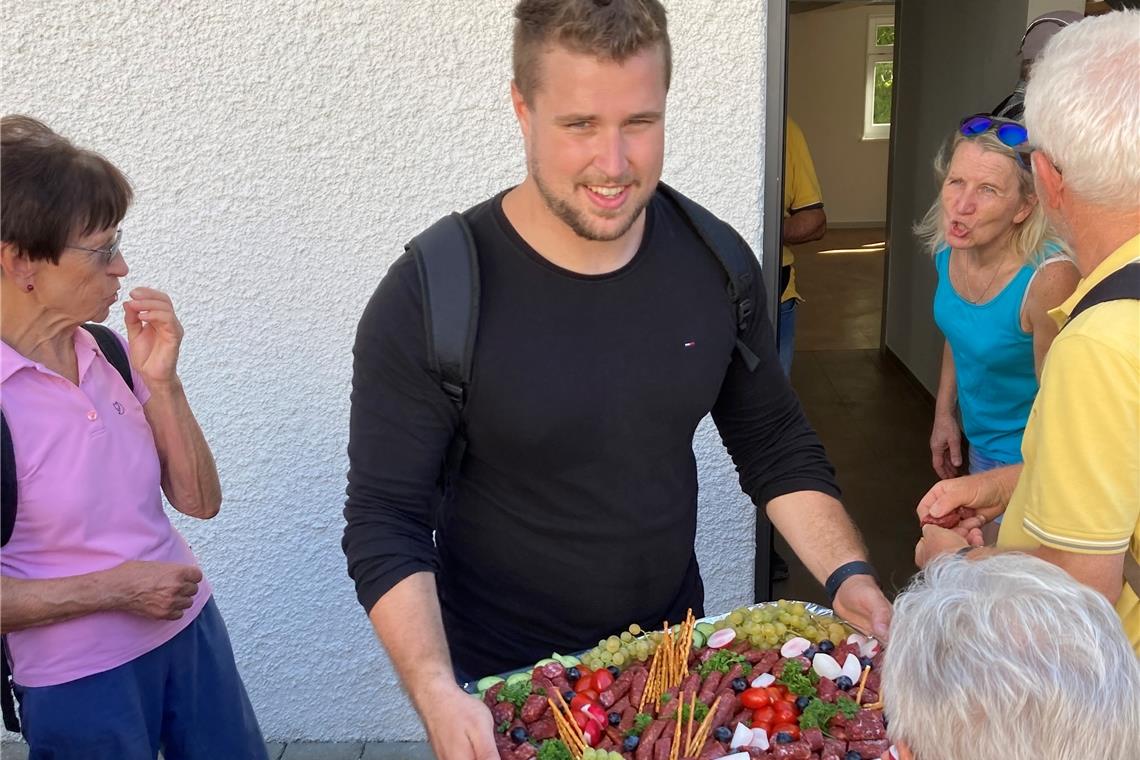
x,y
1076,500
804,221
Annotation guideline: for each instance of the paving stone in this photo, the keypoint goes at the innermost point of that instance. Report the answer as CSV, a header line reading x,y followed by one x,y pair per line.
x,y
323,751
398,751
13,751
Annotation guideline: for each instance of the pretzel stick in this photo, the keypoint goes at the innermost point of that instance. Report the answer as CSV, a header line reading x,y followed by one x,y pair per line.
x,y
675,747
651,680
862,684
577,740
689,726
874,706
706,726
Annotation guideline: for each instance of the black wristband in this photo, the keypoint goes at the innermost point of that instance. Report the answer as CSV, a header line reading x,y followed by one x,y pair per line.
x,y
845,571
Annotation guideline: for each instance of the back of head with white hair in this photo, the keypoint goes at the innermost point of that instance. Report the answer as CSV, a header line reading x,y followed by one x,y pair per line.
x,y
1009,657
1082,107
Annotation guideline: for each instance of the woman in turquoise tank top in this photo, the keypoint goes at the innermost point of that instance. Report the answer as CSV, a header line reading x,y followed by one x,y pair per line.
x,y
1000,270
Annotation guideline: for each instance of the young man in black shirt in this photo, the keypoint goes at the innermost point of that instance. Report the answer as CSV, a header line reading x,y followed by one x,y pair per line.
x,y
604,337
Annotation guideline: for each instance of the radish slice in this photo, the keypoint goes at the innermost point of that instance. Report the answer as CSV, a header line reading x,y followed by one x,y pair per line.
x,y
794,647
721,638
759,739
869,648
762,680
741,737
826,666
852,668
857,638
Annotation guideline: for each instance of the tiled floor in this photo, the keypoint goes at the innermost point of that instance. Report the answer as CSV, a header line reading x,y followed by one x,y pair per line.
x,y
872,419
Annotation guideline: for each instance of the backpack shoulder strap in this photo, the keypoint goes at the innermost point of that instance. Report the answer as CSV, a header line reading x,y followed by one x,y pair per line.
x,y
1123,284
112,349
449,283
734,257
8,493
448,266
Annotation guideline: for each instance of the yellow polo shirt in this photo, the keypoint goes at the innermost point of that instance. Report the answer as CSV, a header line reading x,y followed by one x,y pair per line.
x,y
801,190
1080,488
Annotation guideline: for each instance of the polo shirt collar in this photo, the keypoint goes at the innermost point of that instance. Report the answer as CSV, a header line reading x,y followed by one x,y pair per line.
x,y
86,349
1118,259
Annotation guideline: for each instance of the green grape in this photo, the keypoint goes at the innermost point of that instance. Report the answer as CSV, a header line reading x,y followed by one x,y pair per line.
x,y
635,629
735,618
613,643
720,625
626,636
756,640
781,629
799,609
619,658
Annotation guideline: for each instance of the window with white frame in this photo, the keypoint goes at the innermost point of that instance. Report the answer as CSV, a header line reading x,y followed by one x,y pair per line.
x,y
880,77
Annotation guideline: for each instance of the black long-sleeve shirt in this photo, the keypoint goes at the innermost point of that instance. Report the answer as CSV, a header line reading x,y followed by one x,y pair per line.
x,y
574,512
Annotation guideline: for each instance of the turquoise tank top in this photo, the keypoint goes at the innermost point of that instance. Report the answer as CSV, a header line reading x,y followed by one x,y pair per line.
x,y
993,360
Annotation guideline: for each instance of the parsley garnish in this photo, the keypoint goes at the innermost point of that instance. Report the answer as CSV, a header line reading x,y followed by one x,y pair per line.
x,y
516,693
723,661
847,706
666,697
502,727
640,723
554,749
798,683
818,714
699,712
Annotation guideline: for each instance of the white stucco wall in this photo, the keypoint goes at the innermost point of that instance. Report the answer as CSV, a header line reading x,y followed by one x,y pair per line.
x,y
282,153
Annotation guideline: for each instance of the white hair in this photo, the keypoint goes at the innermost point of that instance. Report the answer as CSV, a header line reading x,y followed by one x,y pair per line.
x,y
1082,107
1009,657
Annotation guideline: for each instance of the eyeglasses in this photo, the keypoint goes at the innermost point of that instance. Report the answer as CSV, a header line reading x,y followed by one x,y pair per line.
x,y
106,255
1011,134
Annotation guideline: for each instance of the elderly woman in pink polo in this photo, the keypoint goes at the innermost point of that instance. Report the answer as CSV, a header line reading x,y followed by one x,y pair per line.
x,y
116,649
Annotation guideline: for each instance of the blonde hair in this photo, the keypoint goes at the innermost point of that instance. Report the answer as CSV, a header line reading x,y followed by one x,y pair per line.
x,y
1029,237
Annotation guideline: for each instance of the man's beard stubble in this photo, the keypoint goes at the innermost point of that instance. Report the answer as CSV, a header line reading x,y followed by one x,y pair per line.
x,y
576,220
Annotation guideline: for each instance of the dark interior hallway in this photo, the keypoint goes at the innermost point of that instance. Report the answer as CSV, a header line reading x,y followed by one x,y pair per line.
x,y
873,419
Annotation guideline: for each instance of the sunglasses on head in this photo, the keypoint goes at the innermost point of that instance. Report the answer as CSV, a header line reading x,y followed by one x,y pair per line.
x,y
1010,133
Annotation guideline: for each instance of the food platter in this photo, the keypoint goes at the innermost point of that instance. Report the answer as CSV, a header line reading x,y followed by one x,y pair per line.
x,y
762,681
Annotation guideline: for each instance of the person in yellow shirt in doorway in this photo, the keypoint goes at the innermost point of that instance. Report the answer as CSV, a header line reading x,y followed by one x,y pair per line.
x,y
1076,500
804,221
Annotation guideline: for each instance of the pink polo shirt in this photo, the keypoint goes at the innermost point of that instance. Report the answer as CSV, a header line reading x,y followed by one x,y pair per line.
x,y
89,499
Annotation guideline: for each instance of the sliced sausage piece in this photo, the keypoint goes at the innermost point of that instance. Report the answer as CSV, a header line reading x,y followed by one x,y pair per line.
x,y
736,671
533,708
648,738
503,712
867,725
671,705
870,749
798,750
637,690
545,728
709,687
490,697
662,748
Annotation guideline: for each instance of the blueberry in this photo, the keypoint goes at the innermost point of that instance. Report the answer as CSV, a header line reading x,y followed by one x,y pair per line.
x,y
866,662
802,703
723,734
573,675
739,685
852,755
615,671
783,737
630,743
843,683
568,695
518,735
614,718
827,646
809,653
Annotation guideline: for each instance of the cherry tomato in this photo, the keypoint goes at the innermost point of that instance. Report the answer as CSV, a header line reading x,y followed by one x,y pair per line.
x,y
791,728
790,698
584,680
784,712
776,692
581,719
593,695
756,698
763,715
602,679
595,713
